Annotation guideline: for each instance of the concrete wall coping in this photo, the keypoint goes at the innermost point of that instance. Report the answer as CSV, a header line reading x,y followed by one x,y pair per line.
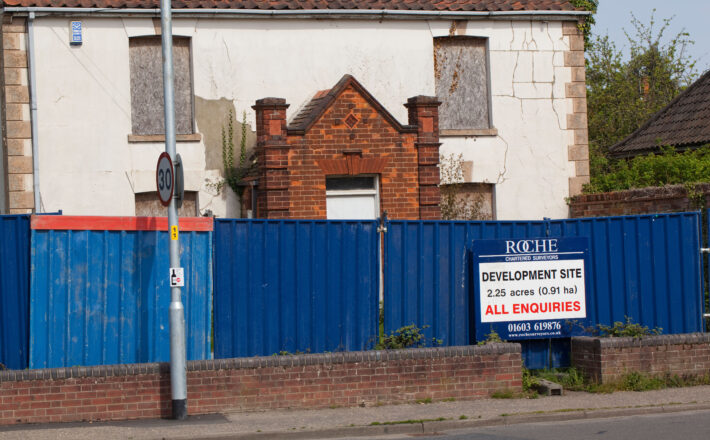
x,y
262,362
646,341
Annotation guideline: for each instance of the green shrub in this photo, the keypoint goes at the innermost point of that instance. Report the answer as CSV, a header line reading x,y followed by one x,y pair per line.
x,y
625,329
409,336
668,167
491,338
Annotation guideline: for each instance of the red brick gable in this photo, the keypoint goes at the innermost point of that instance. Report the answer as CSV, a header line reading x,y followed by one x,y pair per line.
x,y
347,132
322,100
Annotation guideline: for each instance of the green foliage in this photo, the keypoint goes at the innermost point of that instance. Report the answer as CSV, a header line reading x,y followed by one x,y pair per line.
x,y
288,353
622,94
409,336
233,175
455,203
635,381
529,381
569,378
625,329
586,25
491,338
503,394
669,167
407,422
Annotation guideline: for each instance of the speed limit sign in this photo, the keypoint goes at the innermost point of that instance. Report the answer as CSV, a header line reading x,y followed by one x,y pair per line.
x,y
164,178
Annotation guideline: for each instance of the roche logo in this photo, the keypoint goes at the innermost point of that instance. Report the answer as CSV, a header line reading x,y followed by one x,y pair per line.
x,y
539,246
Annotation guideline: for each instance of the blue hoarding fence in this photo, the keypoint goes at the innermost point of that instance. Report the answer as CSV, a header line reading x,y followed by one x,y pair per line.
x,y
14,290
645,267
100,290
294,286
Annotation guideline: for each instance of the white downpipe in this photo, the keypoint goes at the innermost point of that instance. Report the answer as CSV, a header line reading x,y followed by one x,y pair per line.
x,y
33,110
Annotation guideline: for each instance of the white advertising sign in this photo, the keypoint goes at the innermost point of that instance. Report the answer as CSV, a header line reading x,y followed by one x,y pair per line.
x,y
532,291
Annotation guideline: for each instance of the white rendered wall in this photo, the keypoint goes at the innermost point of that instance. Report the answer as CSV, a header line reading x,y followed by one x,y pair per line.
x,y
87,165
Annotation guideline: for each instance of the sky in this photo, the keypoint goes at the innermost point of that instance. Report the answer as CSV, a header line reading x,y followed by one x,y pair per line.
x,y
693,16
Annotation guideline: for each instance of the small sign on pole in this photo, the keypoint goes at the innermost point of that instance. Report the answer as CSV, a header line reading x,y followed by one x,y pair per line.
x,y
177,277
165,178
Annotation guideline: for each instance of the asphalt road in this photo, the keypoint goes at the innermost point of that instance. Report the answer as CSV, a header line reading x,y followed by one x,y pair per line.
x,y
691,425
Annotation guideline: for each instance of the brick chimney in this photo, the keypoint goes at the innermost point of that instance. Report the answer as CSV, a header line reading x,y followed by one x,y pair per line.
x,y
272,157
424,114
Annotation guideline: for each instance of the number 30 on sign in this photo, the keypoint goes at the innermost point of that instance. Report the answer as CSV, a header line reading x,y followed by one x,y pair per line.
x,y
164,179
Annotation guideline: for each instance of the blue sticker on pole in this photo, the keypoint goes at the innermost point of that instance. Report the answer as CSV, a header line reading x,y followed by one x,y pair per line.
x,y
531,288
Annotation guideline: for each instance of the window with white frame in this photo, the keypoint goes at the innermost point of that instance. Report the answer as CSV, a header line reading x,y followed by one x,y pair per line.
x,y
352,197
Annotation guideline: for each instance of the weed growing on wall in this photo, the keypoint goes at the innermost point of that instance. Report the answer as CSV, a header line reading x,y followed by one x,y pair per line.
x,y
491,338
233,175
409,336
455,203
628,328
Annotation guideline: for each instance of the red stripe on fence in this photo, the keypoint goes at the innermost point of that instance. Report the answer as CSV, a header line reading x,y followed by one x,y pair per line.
x,y
99,223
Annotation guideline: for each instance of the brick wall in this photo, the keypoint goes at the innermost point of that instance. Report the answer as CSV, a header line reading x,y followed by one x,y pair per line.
x,y
671,198
346,132
303,381
16,124
608,359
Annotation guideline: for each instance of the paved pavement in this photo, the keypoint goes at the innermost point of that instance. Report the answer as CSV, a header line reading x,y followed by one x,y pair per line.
x,y
373,421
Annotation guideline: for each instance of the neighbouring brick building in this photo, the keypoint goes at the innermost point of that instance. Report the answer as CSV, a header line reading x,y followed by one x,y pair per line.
x,y
345,156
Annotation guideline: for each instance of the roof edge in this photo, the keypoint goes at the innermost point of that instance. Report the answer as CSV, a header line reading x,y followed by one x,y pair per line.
x,y
377,14
651,120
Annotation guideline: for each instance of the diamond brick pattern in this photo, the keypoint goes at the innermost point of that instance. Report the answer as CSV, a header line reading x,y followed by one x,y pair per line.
x,y
351,120
397,5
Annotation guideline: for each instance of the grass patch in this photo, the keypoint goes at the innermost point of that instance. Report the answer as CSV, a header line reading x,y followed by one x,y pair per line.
x,y
503,394
572,379
424,401
408,422
463,417
449,399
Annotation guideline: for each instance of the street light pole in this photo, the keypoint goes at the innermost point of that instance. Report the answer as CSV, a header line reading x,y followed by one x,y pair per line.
x,y
178,380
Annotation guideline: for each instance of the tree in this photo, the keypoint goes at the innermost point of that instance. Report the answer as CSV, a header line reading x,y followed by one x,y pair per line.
x,y
623,94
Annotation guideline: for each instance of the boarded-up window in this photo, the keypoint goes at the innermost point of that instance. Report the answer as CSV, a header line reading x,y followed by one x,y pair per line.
x,y
461,73
467,201
146,63
148,205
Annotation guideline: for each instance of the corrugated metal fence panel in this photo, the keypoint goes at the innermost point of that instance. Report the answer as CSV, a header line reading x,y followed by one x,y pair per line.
x,y
14,290
645,267
102,297
427,270
294,286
